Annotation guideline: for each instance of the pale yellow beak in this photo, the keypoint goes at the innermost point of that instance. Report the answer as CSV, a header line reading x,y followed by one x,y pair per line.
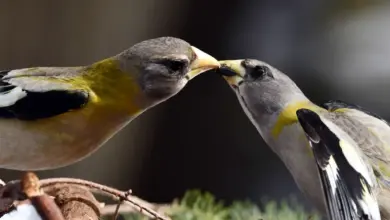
x,y
202,63
232,71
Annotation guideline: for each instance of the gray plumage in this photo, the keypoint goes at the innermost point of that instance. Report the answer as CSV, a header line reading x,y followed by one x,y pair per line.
x,y
271,99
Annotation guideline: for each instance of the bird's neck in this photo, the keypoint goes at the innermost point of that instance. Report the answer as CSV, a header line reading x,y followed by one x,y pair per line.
x,y
287,115
115,89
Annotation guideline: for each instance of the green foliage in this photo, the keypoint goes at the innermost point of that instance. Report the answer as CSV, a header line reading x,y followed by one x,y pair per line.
x,y
285,211
244,210
196,205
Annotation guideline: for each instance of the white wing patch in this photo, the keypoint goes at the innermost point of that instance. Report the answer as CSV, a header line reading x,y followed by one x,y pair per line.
x,y
350,151
355,160
368,202
11,97
36,79
332,171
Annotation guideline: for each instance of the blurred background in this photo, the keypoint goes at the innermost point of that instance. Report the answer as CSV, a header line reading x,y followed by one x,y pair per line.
x,y
200,138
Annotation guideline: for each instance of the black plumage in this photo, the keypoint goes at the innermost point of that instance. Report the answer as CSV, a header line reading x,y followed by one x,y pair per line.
x,y
349,185
38,105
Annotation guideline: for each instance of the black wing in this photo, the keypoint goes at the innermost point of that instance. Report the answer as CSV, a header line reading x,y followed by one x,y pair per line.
x,y
343,186
18,102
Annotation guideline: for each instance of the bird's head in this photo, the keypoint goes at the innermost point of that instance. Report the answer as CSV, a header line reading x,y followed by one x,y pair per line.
x,y
164,65
260,87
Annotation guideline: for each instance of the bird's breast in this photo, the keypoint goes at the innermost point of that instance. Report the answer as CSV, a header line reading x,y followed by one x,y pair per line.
x,y
60,140
295,152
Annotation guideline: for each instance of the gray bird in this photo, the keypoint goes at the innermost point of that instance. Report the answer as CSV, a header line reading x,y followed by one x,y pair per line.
x,y
337,153
55,116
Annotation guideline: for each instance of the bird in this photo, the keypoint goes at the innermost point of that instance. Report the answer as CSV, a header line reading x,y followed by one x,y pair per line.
x,y
337,153
51,117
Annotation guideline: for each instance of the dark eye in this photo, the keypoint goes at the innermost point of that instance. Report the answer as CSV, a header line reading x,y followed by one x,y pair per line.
x,y
174,65
259,71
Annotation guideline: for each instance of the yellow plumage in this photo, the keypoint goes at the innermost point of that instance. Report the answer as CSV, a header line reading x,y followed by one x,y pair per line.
x,y
113,100
54,116
288,115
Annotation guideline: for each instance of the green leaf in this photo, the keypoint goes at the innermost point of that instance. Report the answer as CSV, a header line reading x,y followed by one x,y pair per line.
x,y
197,205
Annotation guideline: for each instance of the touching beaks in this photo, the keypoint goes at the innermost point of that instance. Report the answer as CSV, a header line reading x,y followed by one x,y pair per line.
x,y
232,71
202,63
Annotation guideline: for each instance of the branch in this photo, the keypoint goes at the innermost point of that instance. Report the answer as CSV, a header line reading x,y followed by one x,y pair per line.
x,y
141,205
45,206
124,208
12,191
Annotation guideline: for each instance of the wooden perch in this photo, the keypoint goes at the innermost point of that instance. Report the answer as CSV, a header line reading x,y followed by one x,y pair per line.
x,y
45,205
67,198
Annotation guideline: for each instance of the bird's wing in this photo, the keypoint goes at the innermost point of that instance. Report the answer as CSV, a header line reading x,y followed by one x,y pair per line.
x,y
347,180
36,93
376,143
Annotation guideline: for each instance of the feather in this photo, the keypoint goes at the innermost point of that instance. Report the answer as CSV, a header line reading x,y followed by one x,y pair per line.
x,y
377,145
346,183
334,105
24,101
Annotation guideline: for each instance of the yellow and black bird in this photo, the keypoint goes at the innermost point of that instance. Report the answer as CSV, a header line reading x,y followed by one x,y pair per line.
x,y
54,116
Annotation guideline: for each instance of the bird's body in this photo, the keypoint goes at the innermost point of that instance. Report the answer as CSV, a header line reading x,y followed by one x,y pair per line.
x,y
54,116
271,100
293,149
84,130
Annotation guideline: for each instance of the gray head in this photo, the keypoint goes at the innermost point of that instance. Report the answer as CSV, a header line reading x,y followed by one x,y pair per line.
x,y
261,88
163,66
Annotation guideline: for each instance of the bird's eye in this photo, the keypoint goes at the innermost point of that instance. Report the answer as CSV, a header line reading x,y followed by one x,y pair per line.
x,y
174,65
259,71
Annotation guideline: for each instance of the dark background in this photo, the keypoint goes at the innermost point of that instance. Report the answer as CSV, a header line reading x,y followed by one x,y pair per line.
x,y
201,138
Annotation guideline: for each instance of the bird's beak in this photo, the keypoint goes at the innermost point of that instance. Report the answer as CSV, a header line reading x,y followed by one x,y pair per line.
x,y
232,71
202,63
